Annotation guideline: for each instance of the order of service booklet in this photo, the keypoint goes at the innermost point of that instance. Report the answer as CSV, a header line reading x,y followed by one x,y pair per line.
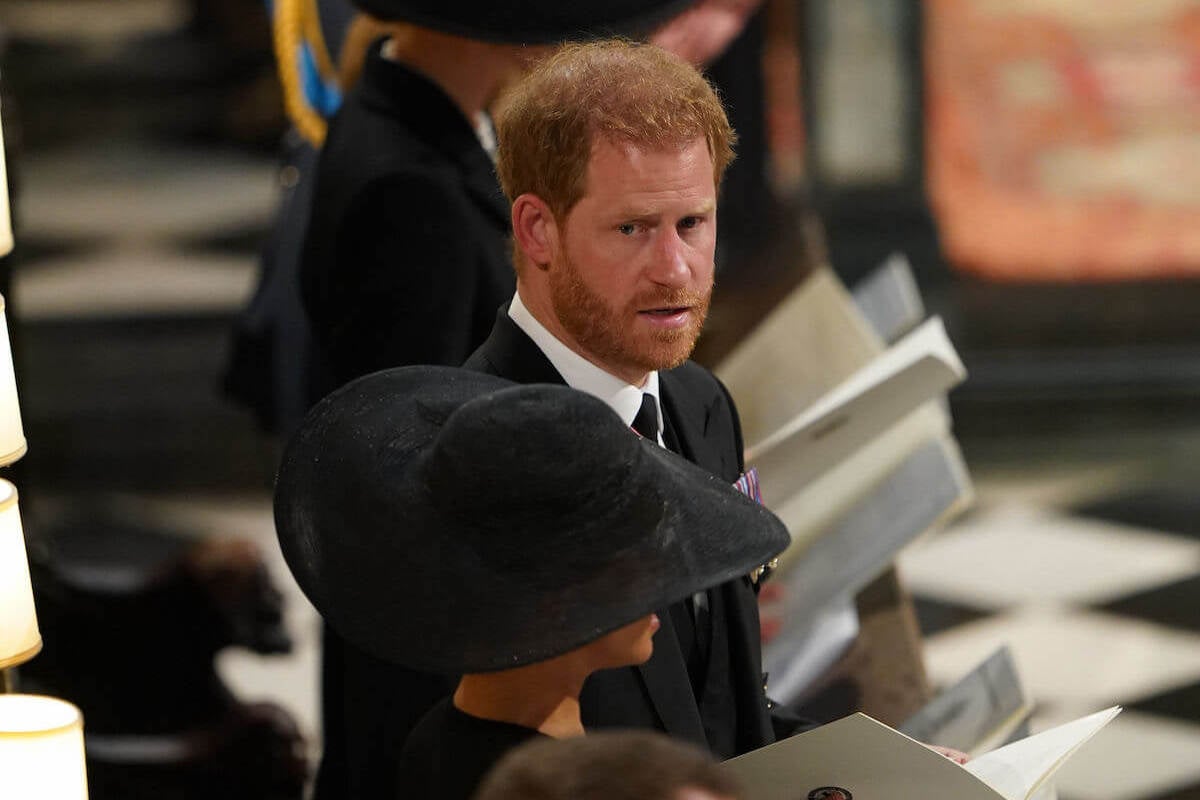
x,y
859,758
917,368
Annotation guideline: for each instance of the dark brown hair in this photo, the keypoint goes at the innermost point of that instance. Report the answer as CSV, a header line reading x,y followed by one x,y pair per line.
x,y
633,765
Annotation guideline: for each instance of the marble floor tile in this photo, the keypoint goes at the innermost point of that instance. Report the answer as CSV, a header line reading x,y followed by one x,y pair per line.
x,y
1017,554
1173,509
1175,604
69,21
1074,658
1181,703
134,281
136,192
1135,756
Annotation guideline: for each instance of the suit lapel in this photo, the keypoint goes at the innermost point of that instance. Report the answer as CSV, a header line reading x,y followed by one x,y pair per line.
x,y
706,444
666,677
510,353
688,417
667,686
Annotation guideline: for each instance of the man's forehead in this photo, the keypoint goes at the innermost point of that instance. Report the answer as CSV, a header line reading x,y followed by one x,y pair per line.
x,y
634,150
626,171
635,208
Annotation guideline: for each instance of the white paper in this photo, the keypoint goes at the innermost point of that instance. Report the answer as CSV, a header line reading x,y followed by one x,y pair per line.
x,y
812,341
860,755
871,761
919,367
1019,770
815,571
984,710
889,298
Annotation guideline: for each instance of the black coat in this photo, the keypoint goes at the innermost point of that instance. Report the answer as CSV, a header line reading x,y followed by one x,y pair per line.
x,y
406,257
701,418
405,261
450,752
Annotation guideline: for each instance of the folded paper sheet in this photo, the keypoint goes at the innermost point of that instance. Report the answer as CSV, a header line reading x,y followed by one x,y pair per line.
x,y
919,367
930,485
984,710
858,758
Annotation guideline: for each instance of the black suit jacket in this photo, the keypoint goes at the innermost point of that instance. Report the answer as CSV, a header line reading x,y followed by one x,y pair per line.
x,y
406,256
701,416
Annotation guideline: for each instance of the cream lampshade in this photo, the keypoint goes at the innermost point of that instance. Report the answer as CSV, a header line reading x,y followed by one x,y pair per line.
x,y
19,636
12,435
41,749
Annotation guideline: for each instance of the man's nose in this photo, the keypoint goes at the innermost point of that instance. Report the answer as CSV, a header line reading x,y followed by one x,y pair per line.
x,y
671,265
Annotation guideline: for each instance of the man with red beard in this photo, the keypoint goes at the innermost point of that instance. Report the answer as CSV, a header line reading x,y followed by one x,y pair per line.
x,y
611,154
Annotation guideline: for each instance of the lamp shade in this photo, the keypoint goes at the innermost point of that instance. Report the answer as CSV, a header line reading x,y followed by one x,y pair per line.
x,y
12,435
19,636
41,749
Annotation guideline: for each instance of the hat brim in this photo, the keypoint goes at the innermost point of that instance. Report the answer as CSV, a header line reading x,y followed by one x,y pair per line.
x,y
389,577
529,21
707,533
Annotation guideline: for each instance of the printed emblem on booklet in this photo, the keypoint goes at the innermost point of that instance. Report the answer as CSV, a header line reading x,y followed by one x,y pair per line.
x,y
830,793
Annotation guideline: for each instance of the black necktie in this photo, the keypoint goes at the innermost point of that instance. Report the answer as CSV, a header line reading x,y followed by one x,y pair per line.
x,y
646,421
694,638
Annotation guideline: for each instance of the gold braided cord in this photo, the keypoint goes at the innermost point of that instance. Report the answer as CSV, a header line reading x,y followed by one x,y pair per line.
x,y
287,34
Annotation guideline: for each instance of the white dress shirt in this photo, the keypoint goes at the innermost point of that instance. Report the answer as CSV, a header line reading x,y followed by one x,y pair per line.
x,y
579,373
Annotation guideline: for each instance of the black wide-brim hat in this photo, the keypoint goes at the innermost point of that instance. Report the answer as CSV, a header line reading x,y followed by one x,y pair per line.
x,y
455,522
529,21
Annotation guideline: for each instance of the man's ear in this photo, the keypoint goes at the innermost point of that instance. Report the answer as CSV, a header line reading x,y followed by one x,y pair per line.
x,y
534,229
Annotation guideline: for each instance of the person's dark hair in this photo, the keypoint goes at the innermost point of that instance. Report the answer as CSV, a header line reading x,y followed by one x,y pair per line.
x,y
632,765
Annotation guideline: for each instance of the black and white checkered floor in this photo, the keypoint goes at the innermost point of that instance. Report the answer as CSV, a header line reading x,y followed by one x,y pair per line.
x,y
1092,576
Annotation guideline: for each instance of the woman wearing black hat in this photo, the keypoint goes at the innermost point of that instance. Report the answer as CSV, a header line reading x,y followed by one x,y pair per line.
x,y
519,536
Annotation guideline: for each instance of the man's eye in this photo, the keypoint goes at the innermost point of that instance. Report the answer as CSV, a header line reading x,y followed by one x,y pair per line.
x,y
689,222
628,229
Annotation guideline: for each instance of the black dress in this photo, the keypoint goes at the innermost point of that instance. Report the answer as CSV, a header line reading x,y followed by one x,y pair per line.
x,y
449,752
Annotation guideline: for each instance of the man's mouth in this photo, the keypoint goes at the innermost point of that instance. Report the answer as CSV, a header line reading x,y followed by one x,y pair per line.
x,y
668,317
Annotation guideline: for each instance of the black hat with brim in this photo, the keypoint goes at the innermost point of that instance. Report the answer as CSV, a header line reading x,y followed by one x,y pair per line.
x,y
455,522
529,21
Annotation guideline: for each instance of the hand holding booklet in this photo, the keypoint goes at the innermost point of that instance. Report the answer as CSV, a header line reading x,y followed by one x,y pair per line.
x,y
858,758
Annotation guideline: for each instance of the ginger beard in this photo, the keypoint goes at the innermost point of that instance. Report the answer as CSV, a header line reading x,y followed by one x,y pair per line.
x,y
617,336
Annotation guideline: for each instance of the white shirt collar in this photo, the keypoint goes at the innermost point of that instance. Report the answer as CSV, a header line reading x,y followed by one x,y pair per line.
x,y
579,373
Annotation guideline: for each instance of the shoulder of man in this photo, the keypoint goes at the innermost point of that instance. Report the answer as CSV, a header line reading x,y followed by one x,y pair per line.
x,y
699,383
366,143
